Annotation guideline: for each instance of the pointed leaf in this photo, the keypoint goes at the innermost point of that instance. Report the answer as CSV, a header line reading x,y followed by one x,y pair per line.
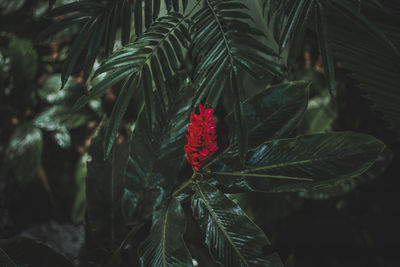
x,y
233,239
296,164
165,246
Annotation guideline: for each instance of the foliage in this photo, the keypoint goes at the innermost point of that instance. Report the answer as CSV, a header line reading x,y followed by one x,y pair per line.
x,y
159,61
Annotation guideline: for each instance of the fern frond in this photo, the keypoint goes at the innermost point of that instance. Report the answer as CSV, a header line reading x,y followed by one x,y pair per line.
x,y
224,43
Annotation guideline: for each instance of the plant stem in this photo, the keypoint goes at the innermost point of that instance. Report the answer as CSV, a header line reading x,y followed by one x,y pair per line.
x,y
184,185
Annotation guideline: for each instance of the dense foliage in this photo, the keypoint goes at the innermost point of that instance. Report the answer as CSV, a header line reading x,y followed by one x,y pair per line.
x,y
105,93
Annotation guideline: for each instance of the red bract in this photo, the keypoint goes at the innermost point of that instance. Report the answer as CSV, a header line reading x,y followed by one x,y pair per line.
x,y
202,137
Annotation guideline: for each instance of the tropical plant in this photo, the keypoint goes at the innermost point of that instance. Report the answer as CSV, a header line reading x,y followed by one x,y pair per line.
x,y
164,58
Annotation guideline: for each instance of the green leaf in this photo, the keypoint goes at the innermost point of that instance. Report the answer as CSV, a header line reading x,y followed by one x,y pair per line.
x,y
275,111
233,239
371,62
348,185
358,18
28,252
59,118
24,61
320,114
165,246
10,6
156,148
62,137
5,260
297,164
118,112
325,46
51,93
104,190
79,204
24,152
133,62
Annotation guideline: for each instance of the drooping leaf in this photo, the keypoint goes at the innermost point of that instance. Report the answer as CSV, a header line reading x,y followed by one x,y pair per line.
x,y
157,148
297,164
143,59
60,117
51,93
372,62
30,253
222,31
79,204
233,239
24,152
165,246
23,61
5,260
104,189
325,46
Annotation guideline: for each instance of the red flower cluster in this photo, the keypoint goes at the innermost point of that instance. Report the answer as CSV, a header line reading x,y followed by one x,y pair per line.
x,y
201,139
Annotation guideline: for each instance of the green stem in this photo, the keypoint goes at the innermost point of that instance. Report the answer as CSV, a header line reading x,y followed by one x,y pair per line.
x,y
184,185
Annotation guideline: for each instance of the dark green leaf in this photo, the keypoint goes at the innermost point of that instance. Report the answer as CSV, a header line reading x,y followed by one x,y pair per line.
x,y
5,261
104,190
297,164
51,93
24,152
325,47
62,137
275,111
233,239
165,246
30,253
79,204
24,61
59,118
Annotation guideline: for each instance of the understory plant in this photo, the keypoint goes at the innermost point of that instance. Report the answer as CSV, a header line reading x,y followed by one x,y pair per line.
x,y
206,108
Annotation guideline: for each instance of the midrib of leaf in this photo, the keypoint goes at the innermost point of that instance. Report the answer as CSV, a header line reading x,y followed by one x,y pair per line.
x,y
222,32
210,210
272,166
163,237
263,176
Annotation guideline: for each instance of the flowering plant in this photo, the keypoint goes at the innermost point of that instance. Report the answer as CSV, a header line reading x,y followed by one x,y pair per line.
x,y
202,137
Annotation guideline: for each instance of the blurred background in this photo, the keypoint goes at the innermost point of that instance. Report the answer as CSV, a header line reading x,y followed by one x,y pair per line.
x,y
43,151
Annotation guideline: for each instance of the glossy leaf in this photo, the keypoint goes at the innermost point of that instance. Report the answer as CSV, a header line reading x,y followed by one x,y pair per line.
x,y
24,252
233,239
165,246
24,152
59,118
275,111
325,46
51,93
62,138
222,31
79,204
151,156
348,185
140,61
297,164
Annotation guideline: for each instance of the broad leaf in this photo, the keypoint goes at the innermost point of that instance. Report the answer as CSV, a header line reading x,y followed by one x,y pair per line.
x,y
51,93
233,239
305,162
165,246
30,253
59,118
24,152
23,61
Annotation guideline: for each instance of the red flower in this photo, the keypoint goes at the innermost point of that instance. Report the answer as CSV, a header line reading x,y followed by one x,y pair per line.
x,y
202,137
